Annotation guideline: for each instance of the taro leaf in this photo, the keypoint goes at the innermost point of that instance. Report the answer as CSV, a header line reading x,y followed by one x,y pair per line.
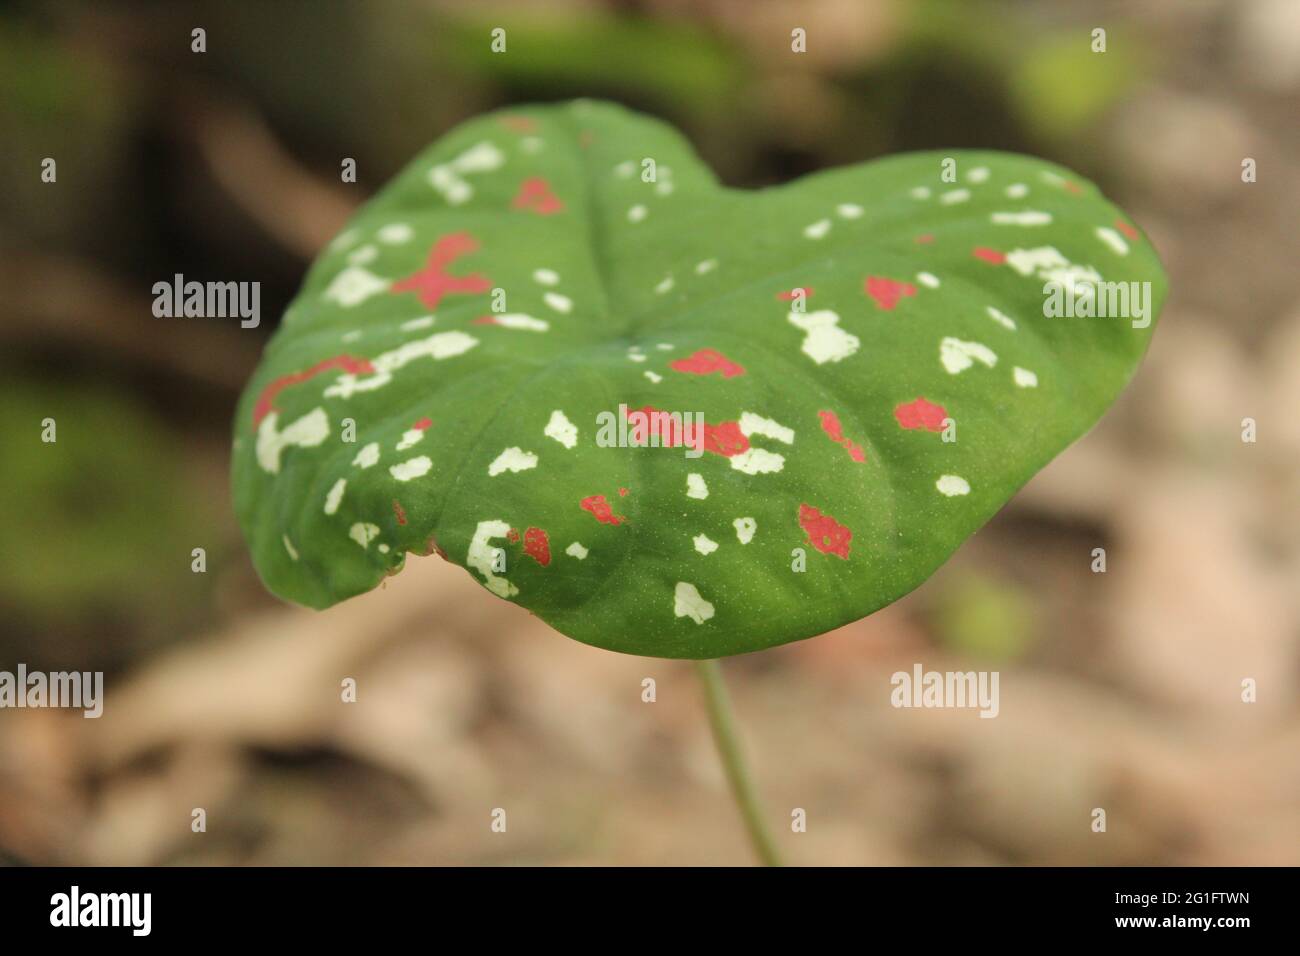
x,y
482,321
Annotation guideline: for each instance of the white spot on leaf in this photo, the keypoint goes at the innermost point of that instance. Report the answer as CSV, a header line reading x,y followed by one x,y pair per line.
x,y
1026,261
448,178
1113,239
561,429
520,321
1002,318
410,438
481,554
396,233
442,345
307,432
745,528
824,341
818,229
413,468
513,459
952,485
342,240
335,496
1024,378
353,286
367,456
751,424
558,302
1029,217
957,356
704,544
687,602
757,461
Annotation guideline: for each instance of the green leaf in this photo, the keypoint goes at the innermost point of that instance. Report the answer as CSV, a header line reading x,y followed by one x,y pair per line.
x,y
827,489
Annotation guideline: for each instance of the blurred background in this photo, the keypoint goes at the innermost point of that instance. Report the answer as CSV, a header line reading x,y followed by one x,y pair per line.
x,y
1120,690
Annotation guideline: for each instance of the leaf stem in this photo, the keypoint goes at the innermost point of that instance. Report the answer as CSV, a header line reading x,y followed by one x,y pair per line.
x,y
733,762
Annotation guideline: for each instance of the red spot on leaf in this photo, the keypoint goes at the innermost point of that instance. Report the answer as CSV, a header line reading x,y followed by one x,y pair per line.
x,y
399,511
724,438
422,424
921,414
991,256
705,362
622,492
520,124
512,535
647,421
432,547
792,294
537,546
432,282
925,238
535,195
1127,229
887,292
600,509
1072,187
825,533
264,404
831,426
